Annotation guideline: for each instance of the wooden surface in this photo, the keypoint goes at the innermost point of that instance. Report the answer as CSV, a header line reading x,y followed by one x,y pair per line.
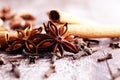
x,y
84,68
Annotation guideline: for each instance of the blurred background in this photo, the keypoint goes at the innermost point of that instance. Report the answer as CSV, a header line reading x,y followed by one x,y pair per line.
x,y
101,11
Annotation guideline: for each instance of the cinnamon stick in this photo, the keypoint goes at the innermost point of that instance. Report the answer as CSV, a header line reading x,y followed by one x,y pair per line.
x,y
62,17
92,31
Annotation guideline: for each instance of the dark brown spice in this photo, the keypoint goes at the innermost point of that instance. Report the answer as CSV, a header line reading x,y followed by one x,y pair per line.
x,y
25,40
108,56
108,66
114,45
15,69
91,42
32,59
27,16
55,40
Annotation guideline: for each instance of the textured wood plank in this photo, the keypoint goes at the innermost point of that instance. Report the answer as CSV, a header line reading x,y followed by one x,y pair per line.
x,y
84,68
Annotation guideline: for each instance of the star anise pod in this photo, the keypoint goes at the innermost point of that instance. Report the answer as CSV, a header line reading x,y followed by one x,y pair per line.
x,y
26,40
56,39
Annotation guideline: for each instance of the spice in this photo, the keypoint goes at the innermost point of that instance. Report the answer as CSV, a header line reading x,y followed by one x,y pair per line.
x,y
56,40
82,46
27,16
32,58
25,40
114,45
108,56
91,42
15,69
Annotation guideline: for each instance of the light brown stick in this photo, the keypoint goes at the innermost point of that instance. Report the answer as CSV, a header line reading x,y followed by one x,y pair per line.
x,y
62,17
101,31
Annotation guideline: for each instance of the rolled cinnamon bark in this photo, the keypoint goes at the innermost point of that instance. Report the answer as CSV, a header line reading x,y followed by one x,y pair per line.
x,y
62,17
4,35
100,31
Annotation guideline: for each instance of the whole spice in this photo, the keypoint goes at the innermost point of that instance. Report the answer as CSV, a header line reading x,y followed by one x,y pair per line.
x,y
82,46
26,40
15,69
50,71
22,21
114,45
108,56
32,58
91,41
109,69
56,40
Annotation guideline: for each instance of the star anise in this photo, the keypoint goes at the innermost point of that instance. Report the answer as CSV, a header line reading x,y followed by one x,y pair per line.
x,y
26,40
56,40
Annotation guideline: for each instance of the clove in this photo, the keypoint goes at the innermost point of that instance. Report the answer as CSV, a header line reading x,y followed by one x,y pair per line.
x,y
114,45
91,41
32,59
15,70
108,56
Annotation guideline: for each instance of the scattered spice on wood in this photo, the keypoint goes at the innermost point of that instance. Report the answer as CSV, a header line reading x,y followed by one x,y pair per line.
x,y
82,46
106,57
56,40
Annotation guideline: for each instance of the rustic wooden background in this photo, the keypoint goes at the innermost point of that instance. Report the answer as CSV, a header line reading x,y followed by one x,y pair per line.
x,y
84,68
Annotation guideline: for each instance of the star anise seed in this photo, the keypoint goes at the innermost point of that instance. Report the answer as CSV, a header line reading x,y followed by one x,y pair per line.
x,y
55,39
